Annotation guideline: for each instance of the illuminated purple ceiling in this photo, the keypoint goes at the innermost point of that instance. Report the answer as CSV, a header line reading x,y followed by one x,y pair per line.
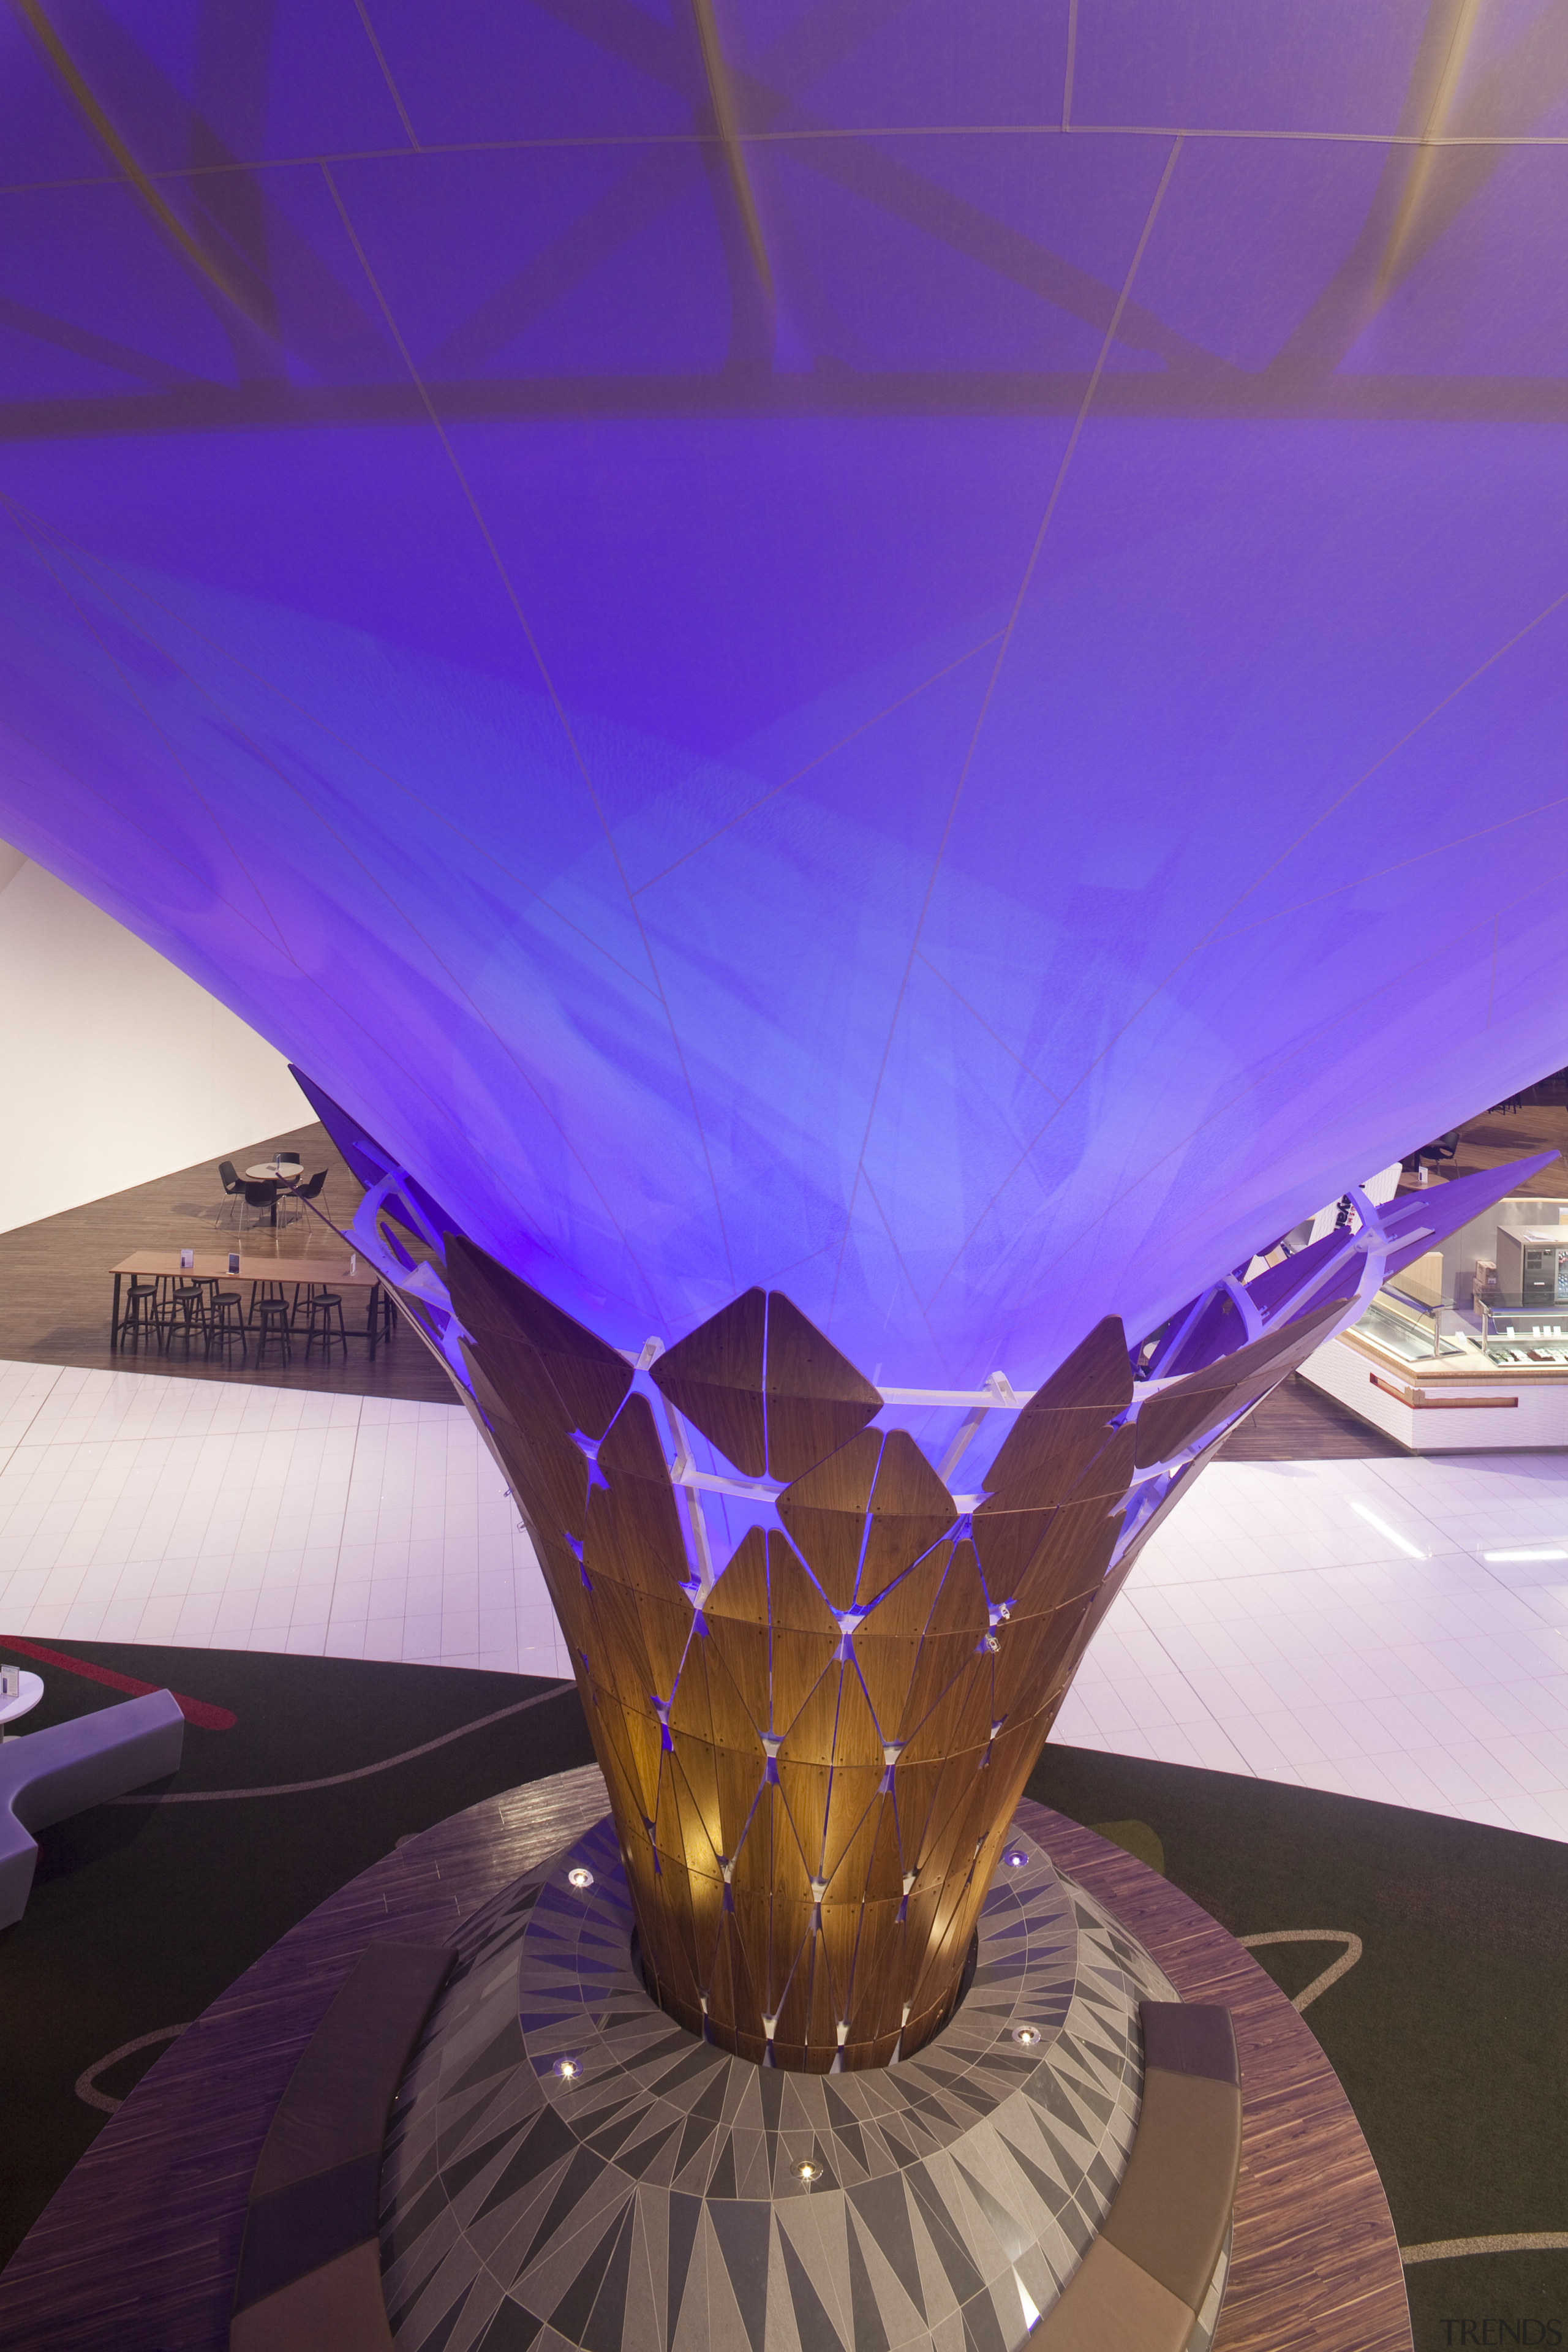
x,y
912,652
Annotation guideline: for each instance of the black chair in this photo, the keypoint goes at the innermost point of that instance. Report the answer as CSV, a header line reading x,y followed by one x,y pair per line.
x,y
230,1176
312,1190
1445,1148
261,1196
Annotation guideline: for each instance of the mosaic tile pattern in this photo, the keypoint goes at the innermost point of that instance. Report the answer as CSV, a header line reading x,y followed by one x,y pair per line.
x,y
654,2201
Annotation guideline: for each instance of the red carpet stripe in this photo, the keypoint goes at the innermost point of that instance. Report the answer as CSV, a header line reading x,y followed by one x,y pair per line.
x,y
194,1710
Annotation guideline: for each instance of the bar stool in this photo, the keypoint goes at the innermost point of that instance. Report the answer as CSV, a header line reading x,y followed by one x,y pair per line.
x,y
143,1310
186,1309
272,1319
321,1308
226,1322
266,1294
303,1294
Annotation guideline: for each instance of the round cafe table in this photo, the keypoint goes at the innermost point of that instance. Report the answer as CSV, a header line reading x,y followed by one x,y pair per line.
x,y
26,1699
287,1172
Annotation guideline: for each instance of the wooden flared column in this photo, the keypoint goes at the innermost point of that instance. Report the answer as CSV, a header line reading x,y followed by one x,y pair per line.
x,y
813,1757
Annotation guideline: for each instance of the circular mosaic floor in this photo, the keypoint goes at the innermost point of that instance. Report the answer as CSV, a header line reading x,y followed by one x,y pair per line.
x,y
568,2167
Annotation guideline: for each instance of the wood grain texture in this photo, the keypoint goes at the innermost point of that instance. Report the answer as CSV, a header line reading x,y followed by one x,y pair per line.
x,y
278,1274
1315,2264
1181,1414
590,1379
1296,1423
824,1512
1097,1373
137,2252
816,1401
793,1781
714,1376
56,1279
1539,1122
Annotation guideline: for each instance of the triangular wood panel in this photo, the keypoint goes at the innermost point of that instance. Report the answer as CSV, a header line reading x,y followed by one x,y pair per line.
x,y
714,1376
816,1401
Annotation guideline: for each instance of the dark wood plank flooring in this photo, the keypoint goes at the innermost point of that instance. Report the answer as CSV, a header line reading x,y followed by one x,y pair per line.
x,y
1298,1424
1540,1124
138,2250
55,1279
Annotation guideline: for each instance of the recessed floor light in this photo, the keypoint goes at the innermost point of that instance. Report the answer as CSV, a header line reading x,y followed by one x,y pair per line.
x,y
1539,1551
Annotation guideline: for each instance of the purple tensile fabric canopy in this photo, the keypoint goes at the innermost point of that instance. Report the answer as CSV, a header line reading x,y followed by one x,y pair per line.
x,y
912,652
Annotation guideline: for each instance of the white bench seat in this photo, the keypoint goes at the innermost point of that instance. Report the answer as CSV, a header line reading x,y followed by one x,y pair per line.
x,y
48,1775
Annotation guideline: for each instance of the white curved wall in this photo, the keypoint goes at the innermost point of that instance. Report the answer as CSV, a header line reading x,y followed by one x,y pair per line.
x,y
114,1067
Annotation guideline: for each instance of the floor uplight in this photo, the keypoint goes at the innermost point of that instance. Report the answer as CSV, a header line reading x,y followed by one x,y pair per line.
x,y
580,1876
1538,1551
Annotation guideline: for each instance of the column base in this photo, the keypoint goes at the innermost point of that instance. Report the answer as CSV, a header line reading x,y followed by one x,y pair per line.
x,y
568,2167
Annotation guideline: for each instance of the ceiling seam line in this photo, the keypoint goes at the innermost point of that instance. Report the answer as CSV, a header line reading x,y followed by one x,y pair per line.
x,y
1209,938
566,728
1399,980
155,728
1107,341
74,554
832,751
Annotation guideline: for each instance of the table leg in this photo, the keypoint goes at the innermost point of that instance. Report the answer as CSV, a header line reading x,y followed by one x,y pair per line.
x,y
373,1315
114,1323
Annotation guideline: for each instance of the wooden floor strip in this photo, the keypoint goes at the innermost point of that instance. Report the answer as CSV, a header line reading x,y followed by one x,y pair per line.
x,y
1315,2260
137,2252
57,1282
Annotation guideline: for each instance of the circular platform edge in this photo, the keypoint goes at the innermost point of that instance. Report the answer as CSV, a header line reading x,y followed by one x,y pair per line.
x,y
137,2251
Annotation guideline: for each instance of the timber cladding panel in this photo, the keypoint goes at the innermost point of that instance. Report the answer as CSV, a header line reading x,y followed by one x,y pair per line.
x,y
813,1754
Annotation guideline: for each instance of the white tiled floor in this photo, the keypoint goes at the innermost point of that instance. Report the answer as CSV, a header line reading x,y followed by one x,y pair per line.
x,y
140,1508
1272,1627
1278,1625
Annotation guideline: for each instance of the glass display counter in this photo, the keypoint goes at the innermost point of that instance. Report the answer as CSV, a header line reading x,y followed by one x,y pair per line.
x,y
1415,1333
1534,1337
1440,1363
1441,1379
